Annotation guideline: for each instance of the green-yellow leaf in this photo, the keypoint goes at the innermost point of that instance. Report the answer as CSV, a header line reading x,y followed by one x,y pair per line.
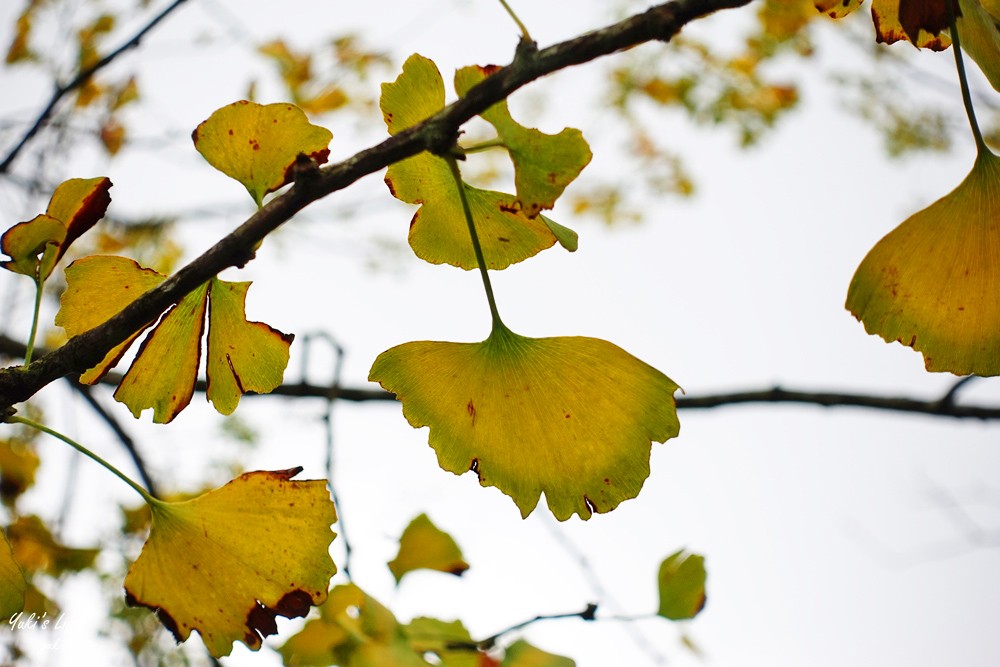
x,y
424,546
36,245
97,288
353,629
544,164
932,283
438,232
231,560
681,584
12,582
450,643
523,654
258,144
165,369
571,417
979,31
242,356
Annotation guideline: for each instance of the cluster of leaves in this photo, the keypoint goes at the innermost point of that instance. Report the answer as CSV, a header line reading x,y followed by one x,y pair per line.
x,y
572,418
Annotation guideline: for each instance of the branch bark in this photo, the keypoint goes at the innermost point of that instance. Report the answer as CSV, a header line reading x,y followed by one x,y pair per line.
x,y
435,134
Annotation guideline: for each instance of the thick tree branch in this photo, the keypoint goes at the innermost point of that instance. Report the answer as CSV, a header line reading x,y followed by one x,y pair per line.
x,y
436,134
81,78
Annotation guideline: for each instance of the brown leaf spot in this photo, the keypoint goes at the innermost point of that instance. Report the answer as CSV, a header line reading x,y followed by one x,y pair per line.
x,y
230,132
503,239
471,409
513,209
294,604
458,570
166,619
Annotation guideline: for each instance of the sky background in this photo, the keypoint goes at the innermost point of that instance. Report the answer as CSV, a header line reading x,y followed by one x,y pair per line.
x,y
831,536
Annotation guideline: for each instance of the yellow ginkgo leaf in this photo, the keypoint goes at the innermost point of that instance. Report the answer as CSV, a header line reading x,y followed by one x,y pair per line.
x,y
920,22
424,546
75,206
228,562
165,369
932,283
258,144
97,288
571,417
242,356
12,582
438,231
979,30
544,164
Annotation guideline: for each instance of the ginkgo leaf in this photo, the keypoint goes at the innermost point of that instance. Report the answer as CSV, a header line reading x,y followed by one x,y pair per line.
x,y
544,164
12,582
36,549
97,288
681,584
353,629
229,561
76,206
920,22
572,417
242,356
979,30
258,144
523,654
18,464
167,387
439,232
424,546
932,282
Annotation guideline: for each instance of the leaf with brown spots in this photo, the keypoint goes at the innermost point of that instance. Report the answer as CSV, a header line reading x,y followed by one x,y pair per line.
x,y
544,164
242,356
920,22
439,233
228,562
570,417
424,546
258,144
947,309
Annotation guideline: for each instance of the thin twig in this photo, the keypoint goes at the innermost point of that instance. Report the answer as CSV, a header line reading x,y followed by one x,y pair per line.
x,y
82,76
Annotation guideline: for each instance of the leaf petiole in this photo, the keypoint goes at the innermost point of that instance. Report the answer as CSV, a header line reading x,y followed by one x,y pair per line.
x,y
150,500
484,146
963,79
476,246
520,26
39,284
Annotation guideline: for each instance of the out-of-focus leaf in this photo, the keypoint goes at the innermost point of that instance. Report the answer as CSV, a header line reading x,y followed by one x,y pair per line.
x,y
258,144
450,643
424,546
979,31
571,417
12,582
228,562
18,464
37,550
681,584
920,22
523,654
932,282
544,164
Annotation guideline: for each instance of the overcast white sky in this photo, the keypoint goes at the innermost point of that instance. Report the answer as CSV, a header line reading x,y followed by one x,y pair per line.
x,y
831,537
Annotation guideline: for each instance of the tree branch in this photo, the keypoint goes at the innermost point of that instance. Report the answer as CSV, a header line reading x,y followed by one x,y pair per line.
x,y
435,134
82,76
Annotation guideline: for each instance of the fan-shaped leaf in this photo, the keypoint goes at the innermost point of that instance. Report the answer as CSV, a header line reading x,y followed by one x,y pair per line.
x,y
231,560
438,232
97,288
681,583
258,144
544,164
920,22
932,282
424,546
571,417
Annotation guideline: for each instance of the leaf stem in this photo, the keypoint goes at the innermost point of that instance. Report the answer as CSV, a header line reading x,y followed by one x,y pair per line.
x,y
525,35
39,283
962,78
476,246
86,452
484,146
